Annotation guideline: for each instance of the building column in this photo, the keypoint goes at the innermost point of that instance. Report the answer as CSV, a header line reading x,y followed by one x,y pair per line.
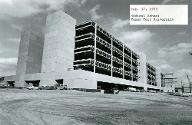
x,y
95,47
123,63
111,56
131,66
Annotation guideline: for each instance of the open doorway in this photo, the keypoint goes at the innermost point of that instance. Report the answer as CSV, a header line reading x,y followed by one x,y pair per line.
x,y
61,85
59,82
34,83
11,83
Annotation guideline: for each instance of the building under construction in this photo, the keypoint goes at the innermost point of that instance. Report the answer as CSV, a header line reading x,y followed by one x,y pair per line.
x,y
79,56
93,45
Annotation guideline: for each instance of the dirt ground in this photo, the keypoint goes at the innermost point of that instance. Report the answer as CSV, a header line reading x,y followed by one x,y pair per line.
x,y
54,107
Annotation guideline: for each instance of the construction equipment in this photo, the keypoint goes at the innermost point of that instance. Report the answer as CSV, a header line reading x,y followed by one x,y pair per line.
x,y
190,84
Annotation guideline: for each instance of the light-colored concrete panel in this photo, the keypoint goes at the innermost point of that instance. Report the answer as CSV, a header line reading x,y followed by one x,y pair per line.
x,y
81,83
58,53
142,69
158,77
30,49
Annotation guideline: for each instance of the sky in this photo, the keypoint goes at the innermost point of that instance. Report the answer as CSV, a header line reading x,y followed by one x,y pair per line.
x,y
166,47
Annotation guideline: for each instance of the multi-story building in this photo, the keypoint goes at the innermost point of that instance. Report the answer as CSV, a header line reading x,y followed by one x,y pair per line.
x,y
79,56
99,52
151,75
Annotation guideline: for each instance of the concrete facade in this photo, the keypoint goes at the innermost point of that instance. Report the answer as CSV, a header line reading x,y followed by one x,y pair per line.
x,y
30,50
58,53
81,79
143,69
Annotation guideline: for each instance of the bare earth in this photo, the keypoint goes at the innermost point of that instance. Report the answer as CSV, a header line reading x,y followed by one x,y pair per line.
x,y
54,107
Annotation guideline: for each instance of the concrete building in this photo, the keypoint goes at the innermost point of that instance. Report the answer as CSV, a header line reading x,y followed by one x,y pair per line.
x,y
79,56
168,82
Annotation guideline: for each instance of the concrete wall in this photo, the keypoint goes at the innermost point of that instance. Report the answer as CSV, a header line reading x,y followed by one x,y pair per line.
x,y
23,54
94,77
35,48
79,79
143,69
30,49
58,53
50,53
81,83
158,77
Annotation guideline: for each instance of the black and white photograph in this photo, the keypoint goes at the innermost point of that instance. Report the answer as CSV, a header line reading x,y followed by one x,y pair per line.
x,y
95,62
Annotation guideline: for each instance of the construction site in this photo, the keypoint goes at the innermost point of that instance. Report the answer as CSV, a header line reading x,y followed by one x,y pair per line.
x,y
82,56
117,84
85,57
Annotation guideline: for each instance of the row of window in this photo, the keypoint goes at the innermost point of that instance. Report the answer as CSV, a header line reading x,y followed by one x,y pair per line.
x,y
85,48
128,73
89,53
98,63
151,72
117,51
103,42
84,36
127,65
103,65
82,25
103,31
150,67
106,67
84,61
117,60
102,53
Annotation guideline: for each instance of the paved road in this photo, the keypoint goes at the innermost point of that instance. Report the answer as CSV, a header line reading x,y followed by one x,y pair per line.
x,y
25,107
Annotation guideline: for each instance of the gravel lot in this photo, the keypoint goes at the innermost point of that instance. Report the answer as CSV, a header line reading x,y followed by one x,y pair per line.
x,y
54,107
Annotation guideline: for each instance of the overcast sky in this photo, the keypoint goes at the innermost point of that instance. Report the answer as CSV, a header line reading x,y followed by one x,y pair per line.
x,y
166,47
